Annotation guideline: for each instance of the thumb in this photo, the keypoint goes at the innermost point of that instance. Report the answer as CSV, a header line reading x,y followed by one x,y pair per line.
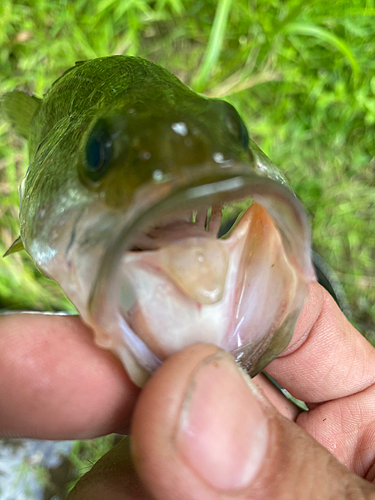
x,y
202,430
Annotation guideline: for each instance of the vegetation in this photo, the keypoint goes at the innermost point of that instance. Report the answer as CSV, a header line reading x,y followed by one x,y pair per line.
x,y
302,75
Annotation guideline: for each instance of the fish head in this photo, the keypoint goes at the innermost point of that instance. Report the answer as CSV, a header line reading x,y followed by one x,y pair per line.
x,y
163,222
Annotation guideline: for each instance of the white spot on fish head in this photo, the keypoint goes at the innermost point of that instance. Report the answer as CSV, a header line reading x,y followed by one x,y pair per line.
x,y
157,175
218,157
262,167
180,128
41,252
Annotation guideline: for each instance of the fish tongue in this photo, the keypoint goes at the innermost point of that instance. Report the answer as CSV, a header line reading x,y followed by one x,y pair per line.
x,y
176,295
198,266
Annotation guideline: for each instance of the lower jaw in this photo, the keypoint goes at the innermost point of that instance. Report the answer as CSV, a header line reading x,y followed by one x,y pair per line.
x,y
239,293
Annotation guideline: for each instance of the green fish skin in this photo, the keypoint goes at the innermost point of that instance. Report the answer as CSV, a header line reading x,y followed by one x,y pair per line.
x,y
131,176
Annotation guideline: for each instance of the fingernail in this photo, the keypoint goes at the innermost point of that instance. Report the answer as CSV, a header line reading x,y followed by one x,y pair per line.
x,y
223,432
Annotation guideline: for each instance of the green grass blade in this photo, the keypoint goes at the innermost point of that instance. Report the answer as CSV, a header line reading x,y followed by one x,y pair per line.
x,y
326,36
214,45
175,5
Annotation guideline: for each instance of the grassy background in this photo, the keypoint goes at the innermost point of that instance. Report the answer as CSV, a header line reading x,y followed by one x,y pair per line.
x,y
302,75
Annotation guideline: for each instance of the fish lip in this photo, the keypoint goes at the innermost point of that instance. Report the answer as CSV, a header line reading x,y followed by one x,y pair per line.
x,y
237,182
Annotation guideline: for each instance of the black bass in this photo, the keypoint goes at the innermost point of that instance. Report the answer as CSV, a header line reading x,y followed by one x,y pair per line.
x,y
161,220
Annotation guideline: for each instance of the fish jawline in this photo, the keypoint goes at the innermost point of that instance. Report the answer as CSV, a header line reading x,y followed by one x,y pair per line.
x,y
143,329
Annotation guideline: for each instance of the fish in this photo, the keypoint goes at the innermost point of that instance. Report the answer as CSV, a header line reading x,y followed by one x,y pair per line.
x,y
159,217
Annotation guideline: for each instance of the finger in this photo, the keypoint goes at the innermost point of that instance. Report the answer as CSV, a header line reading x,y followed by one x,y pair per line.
x,y
277,398
346,427
328,360
112,477
327,357
56,384
202,431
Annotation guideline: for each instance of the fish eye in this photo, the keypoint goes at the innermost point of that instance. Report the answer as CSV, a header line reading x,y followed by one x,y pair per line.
x,y
98,151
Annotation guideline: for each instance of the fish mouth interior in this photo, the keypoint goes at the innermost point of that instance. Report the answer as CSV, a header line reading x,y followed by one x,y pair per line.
x,y
188,250
210,222
225,263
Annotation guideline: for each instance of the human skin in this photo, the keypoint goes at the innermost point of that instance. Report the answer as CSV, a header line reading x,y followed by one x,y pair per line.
x,y
201,429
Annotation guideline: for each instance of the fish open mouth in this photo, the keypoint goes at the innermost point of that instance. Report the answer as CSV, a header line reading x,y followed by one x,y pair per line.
x,y
226,262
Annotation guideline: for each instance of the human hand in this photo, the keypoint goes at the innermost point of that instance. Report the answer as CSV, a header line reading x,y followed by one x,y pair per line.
x,y
200,429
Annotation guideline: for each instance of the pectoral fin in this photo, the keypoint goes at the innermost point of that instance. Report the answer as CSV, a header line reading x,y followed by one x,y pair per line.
x,y
18,109
16,246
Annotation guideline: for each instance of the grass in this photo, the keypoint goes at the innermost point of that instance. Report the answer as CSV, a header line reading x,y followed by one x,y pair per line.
x,y
300,73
